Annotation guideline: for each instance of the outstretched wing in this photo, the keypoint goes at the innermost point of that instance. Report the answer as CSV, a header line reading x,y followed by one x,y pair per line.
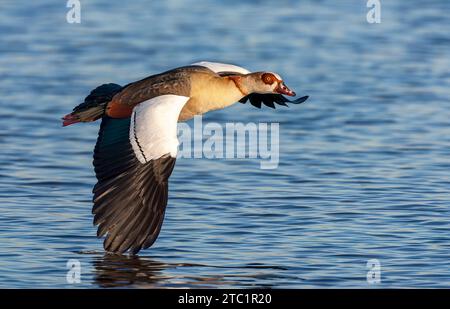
x,y
133,159
256,99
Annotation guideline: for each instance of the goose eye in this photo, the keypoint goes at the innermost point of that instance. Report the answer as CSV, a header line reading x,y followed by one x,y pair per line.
x,y
268,78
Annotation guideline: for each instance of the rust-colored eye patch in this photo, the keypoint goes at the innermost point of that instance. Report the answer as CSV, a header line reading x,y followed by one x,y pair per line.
x,y
268,78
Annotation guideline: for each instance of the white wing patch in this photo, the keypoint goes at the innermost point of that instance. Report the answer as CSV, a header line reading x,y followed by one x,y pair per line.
x,y
153,128
222,67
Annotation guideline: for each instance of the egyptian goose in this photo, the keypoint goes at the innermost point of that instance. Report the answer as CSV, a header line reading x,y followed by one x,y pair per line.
x,y
137,142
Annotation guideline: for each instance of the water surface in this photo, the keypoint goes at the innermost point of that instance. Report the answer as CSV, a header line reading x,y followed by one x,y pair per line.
x,y
364,164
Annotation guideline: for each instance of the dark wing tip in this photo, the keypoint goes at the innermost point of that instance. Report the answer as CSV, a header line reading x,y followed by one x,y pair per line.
x,y
299,100
257,99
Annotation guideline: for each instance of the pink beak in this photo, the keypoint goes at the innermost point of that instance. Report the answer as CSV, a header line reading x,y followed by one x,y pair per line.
x,y
283,89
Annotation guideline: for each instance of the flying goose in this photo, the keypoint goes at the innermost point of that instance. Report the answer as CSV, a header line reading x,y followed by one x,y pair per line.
x,y
137,142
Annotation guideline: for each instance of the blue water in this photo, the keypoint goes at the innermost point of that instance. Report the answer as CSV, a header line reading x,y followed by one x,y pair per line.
x,y
364,164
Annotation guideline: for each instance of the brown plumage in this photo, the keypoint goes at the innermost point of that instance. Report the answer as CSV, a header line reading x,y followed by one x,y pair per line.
x,y
207,90
136,146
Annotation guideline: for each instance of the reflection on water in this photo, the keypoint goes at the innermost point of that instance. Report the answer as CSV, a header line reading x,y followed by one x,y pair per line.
x,y
118,271
364,163
113,270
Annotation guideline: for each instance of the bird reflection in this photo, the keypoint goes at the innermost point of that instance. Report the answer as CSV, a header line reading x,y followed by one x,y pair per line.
x,y
113,270
120,271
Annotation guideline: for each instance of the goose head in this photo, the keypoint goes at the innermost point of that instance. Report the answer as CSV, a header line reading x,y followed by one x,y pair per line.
x,y
265,82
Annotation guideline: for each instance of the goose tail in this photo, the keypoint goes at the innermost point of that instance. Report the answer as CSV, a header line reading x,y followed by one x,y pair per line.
x,y
94,105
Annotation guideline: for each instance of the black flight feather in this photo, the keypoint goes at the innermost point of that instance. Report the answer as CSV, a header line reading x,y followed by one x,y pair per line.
x,y
130,197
